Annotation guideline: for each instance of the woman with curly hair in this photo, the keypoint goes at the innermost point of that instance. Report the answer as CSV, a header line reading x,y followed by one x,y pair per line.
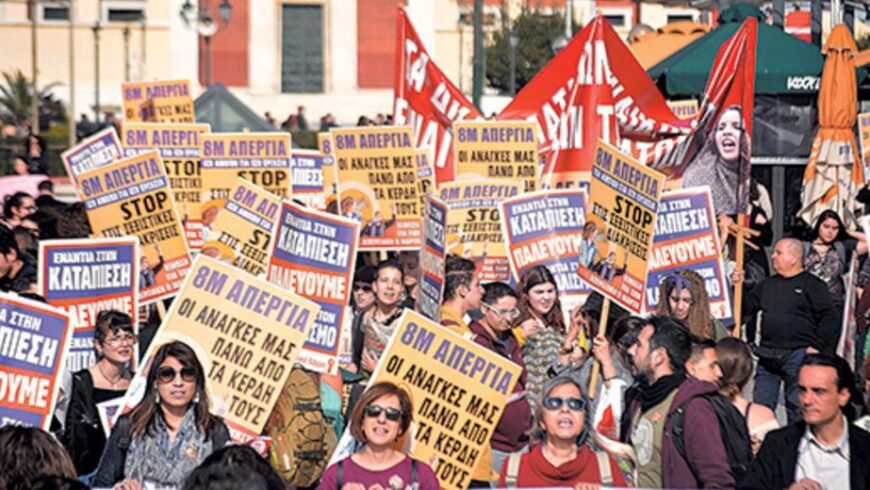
x,y
107,379
683,296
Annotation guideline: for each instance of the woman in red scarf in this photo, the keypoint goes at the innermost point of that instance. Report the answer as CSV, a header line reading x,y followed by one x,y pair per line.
x,y
560,458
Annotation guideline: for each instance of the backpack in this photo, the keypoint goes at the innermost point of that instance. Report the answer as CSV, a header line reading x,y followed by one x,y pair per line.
x,y
513,469
732,427
302,437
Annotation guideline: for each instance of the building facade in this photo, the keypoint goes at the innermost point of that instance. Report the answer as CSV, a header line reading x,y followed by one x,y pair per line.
x,y
123,39
332,56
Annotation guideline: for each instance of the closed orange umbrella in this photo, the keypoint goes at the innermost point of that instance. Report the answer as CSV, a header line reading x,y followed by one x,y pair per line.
x,y
834,175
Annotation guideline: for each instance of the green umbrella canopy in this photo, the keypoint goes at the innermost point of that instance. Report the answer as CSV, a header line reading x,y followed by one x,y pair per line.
x,y
784,64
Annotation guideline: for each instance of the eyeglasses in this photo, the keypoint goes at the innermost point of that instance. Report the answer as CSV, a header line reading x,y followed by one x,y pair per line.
x,y
374,411
555,403
367,288
167,374
121,340
685,301
511,314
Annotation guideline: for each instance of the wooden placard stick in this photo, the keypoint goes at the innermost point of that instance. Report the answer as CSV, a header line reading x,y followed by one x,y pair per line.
x,y
602,331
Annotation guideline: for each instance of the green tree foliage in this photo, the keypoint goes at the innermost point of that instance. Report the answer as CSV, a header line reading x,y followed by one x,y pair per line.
x,y
16,95
535,32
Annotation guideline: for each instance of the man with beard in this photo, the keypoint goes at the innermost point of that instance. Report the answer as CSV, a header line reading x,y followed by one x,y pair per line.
x,y
658,358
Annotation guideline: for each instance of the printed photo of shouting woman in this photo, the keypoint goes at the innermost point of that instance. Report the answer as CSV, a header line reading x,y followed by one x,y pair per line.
x,y
719,162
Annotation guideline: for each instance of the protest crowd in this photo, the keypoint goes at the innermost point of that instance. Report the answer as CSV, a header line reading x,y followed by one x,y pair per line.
x,y
476,308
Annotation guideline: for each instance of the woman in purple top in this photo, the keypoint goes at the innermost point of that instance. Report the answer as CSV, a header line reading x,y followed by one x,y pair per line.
x,y
381,416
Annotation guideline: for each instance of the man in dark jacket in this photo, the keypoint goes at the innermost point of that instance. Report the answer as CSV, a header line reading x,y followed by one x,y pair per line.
x,y
797,318
658,358
823,450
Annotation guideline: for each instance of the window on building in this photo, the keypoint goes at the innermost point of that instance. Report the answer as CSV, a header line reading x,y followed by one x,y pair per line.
x,y
302,48
52,12
680,17
125,15
616,20
123,10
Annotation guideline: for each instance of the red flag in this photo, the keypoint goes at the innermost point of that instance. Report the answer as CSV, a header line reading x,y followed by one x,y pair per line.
x,y
578,96
719,153
596,89
426,99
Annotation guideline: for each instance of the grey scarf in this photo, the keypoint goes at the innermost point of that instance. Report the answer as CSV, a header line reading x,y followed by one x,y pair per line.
x,y
156,459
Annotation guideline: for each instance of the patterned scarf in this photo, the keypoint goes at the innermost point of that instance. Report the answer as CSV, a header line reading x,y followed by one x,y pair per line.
x,y
376,333
158,460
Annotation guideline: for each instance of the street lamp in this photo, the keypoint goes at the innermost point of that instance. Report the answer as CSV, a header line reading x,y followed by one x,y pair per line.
x,y
34,101
514,40
562,41
126,34
97,28
206,25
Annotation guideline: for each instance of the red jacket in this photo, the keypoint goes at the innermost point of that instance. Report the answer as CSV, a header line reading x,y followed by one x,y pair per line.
x,y
536,471
511,433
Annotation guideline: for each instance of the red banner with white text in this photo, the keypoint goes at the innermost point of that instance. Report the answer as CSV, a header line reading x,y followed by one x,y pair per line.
x,y
596,89
720,150
426,99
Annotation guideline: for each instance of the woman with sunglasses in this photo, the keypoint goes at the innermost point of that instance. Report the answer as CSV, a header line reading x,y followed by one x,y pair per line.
x,y
362,300
493,331
378,421
542,332
683,296
107,379
560,456
169,433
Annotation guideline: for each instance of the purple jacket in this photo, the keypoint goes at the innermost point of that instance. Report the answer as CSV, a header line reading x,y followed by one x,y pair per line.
x,y
705,464
516,419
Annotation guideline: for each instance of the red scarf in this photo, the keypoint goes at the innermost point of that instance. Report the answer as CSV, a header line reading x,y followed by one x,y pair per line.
x,y
537,471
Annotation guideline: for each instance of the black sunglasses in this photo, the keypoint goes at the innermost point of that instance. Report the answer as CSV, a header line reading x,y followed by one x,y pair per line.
x,y
365,287
374,411
167,374
555,403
